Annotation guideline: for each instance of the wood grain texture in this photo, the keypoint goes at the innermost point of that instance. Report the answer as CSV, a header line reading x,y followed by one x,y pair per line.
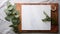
x,y
54,14
18,8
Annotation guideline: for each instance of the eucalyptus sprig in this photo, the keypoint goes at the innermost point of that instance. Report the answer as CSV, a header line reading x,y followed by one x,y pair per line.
x,y
54,22
13,16
47,18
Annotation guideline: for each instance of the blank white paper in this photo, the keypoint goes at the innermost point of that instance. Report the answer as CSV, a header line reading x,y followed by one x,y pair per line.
x,y
32,16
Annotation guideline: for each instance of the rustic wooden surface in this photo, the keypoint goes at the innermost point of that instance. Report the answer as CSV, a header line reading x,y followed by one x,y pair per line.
x,y
54,14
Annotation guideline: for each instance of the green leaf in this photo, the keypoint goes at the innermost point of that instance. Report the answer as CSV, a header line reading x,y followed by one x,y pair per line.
x,y
10,8
7,12
45,14
7,18
9,4
54,22
14,12
47,18
16,16
13,16
14,21
13,26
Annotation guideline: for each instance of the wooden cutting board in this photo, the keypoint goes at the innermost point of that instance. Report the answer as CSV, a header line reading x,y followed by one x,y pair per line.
x,y
54,14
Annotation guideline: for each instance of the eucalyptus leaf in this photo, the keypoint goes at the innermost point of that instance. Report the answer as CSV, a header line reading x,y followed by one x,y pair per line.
x,y
14,12
17,13
13,25
54,22
13,16
17,16
8,4
7,12
47,18
7,18
14,22
10,8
